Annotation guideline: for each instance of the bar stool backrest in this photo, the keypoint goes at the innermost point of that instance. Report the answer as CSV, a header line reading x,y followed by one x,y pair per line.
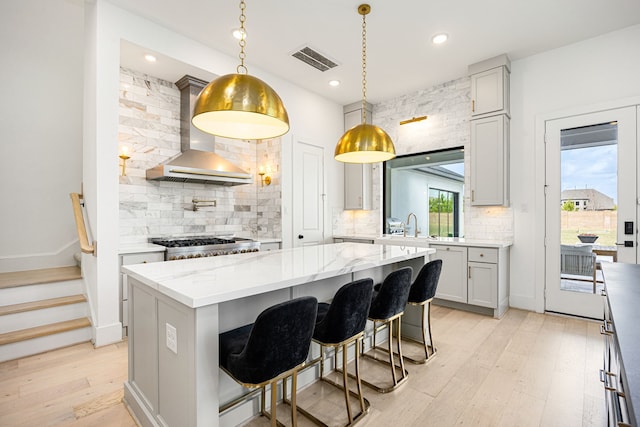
x,y
279,341
347,314
392,297
424,287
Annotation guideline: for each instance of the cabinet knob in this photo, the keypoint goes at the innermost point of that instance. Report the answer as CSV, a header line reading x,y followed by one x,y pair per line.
x,y
144,262
448,249
300,236
481,255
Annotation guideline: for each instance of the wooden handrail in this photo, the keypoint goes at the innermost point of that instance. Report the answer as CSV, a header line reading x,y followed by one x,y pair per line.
x,y
82,231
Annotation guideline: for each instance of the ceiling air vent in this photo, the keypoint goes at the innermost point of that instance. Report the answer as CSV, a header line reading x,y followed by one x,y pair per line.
x,y
314,58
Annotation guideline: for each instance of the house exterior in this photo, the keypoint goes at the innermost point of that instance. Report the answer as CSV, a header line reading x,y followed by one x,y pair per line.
x,y
67,140
587,199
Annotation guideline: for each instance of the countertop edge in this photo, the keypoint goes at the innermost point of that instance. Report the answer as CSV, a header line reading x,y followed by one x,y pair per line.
x,y
227,295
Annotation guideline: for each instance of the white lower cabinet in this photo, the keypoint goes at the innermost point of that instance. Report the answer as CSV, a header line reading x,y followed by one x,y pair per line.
x,y
474,276
452,285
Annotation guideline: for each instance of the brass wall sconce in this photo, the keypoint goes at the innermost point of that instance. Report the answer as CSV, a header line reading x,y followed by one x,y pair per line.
x,y
124,156
413,120
264,178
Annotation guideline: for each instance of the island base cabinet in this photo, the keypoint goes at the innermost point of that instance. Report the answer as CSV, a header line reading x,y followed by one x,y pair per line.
x,y
168,344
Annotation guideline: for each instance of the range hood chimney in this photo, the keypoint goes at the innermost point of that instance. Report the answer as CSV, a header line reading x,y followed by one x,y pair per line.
x,y
197,161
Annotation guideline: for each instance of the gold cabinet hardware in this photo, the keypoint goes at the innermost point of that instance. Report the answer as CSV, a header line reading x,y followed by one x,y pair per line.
x,y
473,105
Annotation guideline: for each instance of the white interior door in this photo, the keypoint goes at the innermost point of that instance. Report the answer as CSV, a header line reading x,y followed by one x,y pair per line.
x,y
308,194
569,261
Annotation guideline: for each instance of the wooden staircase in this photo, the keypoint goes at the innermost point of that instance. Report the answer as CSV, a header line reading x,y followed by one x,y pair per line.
x,y
41,310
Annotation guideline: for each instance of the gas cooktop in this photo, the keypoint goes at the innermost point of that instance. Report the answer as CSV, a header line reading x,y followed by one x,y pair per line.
x,y
204,246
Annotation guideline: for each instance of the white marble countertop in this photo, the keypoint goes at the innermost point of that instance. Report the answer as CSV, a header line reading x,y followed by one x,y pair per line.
x,y
425,241
136,248
204,281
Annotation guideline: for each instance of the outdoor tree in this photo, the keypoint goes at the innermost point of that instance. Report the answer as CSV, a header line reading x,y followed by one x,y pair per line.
x,y
569,206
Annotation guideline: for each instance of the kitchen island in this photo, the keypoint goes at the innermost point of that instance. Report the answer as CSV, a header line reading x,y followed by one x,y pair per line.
x,y
178,308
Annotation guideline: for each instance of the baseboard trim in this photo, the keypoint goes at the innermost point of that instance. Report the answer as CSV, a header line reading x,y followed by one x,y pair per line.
x,y
523,303
62,257
105,335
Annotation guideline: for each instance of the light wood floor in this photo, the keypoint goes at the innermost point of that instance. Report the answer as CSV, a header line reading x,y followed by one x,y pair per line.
x,y
526,369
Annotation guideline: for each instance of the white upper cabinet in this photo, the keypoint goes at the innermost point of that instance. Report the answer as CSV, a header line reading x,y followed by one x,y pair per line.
x,y
357,177
490,161
490,87
489,145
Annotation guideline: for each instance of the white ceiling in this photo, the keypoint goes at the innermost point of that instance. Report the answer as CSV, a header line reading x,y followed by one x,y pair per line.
x,y
400,55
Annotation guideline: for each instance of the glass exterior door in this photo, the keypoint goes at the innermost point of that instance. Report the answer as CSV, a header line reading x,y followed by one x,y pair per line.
x,y
590,192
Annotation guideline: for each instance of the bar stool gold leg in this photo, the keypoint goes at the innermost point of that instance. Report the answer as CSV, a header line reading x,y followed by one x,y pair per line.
x,y
393,366
294,387
345,381
399,345
424,333
358,381
431,343
274,401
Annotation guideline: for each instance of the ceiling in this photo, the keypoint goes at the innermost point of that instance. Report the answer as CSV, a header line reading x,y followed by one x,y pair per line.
x,y
400,56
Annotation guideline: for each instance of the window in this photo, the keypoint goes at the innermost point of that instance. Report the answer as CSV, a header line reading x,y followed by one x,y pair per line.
x,y
443,209
577,202
429,185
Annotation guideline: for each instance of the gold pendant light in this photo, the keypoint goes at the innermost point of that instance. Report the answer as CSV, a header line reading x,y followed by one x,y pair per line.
x,y
364,143
240,106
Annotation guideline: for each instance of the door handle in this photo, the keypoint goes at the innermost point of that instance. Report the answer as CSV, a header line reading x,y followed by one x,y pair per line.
x,y
626,244
300,236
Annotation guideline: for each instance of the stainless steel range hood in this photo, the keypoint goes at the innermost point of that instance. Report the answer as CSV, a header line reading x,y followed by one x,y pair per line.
x,y
197,162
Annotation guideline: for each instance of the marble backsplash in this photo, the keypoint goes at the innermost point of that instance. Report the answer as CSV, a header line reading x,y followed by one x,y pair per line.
x,y
150,128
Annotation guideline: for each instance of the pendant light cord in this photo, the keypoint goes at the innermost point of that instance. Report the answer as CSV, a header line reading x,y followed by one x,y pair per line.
x,y
242,69
364,69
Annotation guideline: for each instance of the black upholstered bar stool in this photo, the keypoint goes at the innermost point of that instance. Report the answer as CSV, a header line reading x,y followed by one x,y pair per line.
x,y
274,347
422,292
387,305
338,325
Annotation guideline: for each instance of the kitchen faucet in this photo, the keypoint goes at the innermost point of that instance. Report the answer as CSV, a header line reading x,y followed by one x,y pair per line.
x,y
415,230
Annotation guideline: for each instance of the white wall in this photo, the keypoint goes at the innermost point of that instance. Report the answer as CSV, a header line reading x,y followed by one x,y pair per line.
x,y
315,119
577,77
41,132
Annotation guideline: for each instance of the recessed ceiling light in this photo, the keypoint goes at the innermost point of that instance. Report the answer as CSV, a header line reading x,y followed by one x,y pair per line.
x,y
150,57
439,38
239,33
334,82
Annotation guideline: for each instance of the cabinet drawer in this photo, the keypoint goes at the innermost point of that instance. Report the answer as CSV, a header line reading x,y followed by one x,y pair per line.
x,y
483,255
142,258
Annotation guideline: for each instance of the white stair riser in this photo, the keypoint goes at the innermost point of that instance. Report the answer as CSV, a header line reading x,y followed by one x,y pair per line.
x,y
32,293
45,316
42,344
